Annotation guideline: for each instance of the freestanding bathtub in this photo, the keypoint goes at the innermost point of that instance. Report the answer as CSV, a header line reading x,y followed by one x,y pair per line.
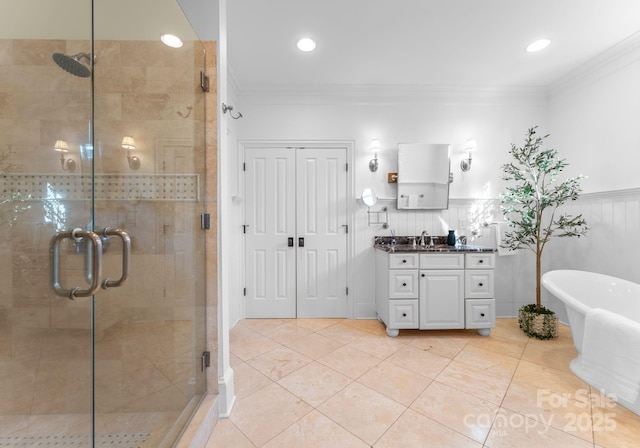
x,y
583,291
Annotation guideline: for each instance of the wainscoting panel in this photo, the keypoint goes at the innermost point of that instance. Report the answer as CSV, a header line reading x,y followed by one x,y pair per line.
x,y
611,247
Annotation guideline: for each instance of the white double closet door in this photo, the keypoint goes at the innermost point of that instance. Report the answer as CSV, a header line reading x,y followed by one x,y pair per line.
x,y
296,234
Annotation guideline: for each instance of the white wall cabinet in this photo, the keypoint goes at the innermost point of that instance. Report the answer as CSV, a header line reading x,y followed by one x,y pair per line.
x,y
444,290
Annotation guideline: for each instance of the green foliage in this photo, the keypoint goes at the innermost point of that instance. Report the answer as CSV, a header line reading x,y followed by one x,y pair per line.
x,y
530,205
538,323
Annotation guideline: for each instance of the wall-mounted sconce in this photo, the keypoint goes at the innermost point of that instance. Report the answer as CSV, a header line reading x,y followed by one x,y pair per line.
x,y
62,147
129,144
229,109
374,147
469,147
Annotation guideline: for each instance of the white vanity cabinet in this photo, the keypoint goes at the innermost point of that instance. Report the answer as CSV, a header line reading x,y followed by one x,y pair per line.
x,y
428,291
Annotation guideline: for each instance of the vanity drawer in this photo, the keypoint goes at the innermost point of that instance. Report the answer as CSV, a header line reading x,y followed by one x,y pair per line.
x,y
481,260
478,284
480,313
403,284
442,260
403,261
403,314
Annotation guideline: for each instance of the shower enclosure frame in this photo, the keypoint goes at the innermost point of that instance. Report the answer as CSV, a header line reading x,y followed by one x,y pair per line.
x,y
125,361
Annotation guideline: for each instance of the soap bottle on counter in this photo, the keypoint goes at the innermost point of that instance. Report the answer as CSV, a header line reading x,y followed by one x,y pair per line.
x,y
451,238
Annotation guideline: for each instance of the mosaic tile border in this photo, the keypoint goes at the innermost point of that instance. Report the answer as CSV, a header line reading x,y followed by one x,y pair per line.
x,y
109,187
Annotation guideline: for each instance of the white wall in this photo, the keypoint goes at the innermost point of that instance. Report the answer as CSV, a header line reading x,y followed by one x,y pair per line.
x,y
590,116
492,118
235,235
594,121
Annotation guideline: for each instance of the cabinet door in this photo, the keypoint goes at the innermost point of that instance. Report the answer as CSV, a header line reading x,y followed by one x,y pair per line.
x,y
480,313
479,284
441,299
403,284
403,314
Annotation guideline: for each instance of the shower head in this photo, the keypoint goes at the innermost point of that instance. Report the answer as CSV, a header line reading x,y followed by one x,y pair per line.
x,y
72,64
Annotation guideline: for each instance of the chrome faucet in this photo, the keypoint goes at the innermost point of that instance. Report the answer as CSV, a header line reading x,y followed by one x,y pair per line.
x,y
424,233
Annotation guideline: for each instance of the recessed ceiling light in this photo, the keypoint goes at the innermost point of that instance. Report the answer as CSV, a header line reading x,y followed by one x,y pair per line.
x,y
306,44
171,41
538,45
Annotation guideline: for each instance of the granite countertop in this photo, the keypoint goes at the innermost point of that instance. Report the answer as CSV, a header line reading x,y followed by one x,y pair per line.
x,y
405,244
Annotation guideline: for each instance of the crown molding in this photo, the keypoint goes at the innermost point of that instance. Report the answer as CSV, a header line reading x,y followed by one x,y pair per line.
x,y
613,59
391,94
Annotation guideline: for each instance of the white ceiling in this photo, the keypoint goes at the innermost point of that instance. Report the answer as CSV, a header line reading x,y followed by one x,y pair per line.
x,y
470,43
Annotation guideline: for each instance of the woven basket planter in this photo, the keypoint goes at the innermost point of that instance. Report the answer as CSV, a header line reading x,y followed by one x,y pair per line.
x,y
540,325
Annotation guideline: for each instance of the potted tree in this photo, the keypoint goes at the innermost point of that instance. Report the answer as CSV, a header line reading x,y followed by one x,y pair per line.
x,y
530,208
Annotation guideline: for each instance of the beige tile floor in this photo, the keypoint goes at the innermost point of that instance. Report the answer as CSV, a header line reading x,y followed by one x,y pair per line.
x,y
343,383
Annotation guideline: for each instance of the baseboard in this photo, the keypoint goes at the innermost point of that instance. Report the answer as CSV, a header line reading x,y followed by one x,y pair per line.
x,y
227,396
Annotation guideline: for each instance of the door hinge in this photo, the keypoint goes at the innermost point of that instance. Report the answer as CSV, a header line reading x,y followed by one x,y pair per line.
x,y
347,167
347,290
244,166
204,82
205,361
244,228
244,292
205,221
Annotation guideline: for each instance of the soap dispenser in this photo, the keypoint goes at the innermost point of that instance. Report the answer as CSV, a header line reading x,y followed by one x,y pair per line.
x,y
451,238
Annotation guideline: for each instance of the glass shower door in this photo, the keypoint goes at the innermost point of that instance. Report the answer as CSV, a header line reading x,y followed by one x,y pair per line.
x,y
45,190
149,173
101,251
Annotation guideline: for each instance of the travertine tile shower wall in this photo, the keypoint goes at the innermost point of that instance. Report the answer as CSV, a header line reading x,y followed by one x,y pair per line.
x,y
143,90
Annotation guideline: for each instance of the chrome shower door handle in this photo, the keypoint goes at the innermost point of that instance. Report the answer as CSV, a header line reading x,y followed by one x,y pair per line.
x,y
126,255
95,265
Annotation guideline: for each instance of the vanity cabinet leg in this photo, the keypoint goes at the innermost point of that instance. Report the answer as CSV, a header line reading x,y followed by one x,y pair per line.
x,y
392,332
484,331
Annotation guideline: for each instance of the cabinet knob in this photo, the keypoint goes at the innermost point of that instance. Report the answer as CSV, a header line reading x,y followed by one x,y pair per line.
x,y
404,284
404,261
479,284
481,261
404,314
481,314
424,275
